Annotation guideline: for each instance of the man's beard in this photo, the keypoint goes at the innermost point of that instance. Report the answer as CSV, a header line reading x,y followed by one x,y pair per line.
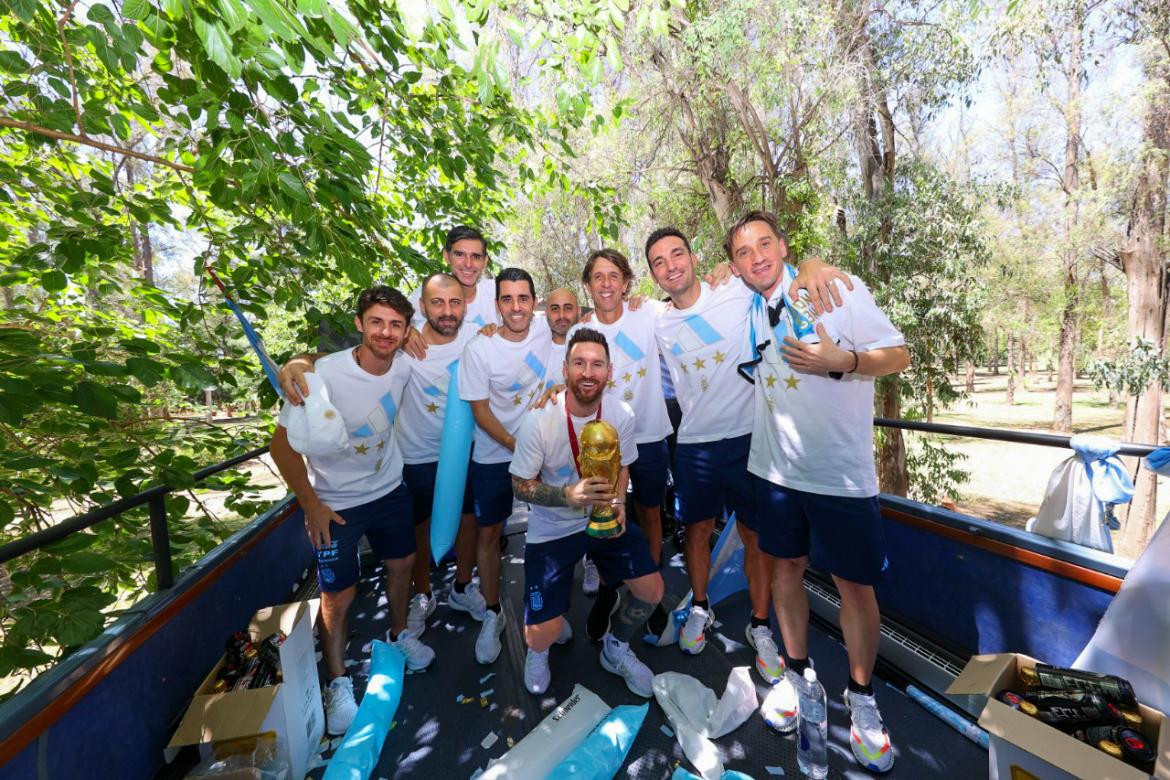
x,y
449,329
580,395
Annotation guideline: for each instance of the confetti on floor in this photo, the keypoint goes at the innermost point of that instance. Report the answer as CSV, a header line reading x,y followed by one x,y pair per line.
x,y
666,730
511,742
486,677
489,740
775,770
488,692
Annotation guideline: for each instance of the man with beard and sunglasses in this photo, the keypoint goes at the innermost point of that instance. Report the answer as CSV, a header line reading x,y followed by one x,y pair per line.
x,y
356,489
544,473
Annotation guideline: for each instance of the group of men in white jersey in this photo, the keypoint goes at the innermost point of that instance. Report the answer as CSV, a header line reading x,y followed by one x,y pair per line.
x,y
776,429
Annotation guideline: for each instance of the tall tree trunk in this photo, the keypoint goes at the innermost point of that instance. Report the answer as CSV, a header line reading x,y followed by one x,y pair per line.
x,y
877,156
1066,368
1022,356
1144,261
970,376
995,353
1010,395
891,456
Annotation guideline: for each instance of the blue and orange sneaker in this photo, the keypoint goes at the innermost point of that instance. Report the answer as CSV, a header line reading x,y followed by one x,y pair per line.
x,y
693,637
868,736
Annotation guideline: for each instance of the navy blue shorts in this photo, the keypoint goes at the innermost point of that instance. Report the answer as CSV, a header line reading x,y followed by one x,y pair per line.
x,y
841,535
491,485
548,568
388,524
648,473
712,478
420,479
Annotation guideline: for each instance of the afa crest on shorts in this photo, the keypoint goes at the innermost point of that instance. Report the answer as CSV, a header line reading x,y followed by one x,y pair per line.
x,y
535,600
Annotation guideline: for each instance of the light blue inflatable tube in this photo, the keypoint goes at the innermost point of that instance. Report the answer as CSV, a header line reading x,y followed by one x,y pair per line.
x,y
730,774
451,478
358,753
602,753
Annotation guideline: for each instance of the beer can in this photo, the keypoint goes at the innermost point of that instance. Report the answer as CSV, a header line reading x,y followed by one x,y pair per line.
x,y
1056,678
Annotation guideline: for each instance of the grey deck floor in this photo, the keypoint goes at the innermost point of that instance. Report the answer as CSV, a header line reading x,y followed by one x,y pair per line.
x,y
435,737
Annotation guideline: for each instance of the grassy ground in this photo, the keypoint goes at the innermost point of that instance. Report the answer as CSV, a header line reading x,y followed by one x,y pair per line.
x,y
1008,480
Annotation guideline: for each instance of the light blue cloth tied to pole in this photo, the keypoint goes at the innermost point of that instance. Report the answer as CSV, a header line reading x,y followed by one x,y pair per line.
x,y
1078,504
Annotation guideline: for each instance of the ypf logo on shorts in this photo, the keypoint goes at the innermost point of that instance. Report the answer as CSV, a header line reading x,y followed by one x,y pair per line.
x,y
535,600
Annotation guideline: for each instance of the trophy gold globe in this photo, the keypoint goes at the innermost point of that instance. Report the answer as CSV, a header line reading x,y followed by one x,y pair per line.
x,y
601,456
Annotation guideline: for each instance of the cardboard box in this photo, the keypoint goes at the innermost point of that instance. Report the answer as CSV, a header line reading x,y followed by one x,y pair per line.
x,y
1024,748
292,709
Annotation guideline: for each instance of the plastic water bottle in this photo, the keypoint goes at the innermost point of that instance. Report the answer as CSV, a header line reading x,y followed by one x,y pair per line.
x,y
813,728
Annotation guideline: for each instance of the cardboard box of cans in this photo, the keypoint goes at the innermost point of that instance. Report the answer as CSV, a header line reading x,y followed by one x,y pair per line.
x,y
1024,748
292,708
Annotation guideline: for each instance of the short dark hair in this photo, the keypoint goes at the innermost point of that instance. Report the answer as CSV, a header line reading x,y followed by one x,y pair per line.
x,y
443,275
386,296
613,256
461,232
742,222
514,275
665,232
586,336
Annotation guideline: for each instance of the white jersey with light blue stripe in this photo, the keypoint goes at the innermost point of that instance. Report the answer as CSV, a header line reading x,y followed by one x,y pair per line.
x,y
372,465
424,402
511,376
701,346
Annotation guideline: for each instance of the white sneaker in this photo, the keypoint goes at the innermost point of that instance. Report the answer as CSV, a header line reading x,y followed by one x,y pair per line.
x,y
487,645
693,638
768,661
617,657
469,601
339,705
422,606
592,579
418,655
566,632
536,672
781,706
867,735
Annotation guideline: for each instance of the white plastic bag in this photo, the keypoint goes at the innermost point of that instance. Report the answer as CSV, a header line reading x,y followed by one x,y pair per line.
x,y
698,717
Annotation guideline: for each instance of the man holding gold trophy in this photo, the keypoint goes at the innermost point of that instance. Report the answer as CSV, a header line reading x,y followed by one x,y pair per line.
x,y
571,463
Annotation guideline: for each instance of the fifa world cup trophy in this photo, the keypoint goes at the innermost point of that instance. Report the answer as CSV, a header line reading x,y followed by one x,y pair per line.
x,y
601,456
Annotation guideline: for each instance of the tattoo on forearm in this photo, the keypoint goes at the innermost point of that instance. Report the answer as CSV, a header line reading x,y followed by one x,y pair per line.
x,y
536,492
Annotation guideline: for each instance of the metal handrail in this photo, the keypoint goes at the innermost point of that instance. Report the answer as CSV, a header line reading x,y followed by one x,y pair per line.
x,y
160,536
1002,434
159,533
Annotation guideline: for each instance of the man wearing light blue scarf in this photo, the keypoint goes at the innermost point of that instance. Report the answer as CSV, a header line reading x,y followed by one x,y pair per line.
x,y
812,461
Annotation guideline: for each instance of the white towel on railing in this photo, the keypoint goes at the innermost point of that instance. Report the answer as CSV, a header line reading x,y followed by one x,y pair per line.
x,y
1074,506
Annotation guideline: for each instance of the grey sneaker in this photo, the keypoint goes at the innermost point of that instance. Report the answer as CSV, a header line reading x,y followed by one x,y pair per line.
x,y
488,645
592,579
469,601
617,657
768,661
536,672
418,655
422,606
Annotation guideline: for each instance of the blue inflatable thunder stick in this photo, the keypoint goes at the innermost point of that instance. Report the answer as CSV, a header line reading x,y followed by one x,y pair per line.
x,y
451,479
358,753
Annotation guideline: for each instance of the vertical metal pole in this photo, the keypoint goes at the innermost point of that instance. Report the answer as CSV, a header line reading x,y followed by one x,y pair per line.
x,y
161,540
